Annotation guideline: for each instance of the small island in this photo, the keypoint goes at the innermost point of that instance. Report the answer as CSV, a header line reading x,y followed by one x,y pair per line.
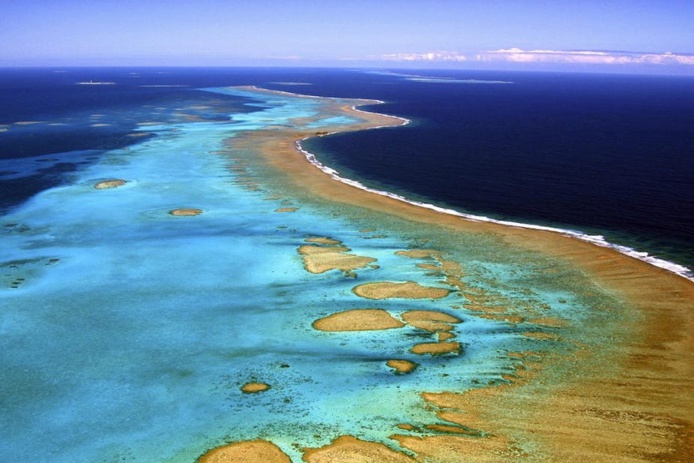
x,y
252,388
358,320
401,367
406,290
108,184
185,212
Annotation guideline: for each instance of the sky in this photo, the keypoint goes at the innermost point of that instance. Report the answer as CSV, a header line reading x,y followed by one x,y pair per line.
x,y
387,33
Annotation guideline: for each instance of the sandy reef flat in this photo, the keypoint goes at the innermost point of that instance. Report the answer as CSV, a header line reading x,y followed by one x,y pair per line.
x,y
251,452
185,212
107,184
404,290
630,401
329,254
401,366
251,388
358,320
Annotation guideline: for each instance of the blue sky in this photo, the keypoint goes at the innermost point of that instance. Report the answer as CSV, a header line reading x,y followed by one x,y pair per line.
x,y
347,32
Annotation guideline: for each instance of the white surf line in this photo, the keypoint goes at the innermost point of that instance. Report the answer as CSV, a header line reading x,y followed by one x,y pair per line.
x,y
597,240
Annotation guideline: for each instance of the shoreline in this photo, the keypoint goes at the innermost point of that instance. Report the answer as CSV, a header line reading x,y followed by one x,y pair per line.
x,y
651,367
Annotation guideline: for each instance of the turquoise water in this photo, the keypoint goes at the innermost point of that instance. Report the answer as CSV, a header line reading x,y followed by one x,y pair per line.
x,y
126,332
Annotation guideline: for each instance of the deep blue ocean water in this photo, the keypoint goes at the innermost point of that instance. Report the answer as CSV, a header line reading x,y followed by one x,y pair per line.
x,y
609,155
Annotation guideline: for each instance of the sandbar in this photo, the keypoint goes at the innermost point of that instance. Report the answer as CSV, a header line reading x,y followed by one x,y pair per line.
x,y
323,240
352,450
358,320
436,348
185,212
251,388
106,184
430,320
401,366
452,271
257,451
406,290
330,254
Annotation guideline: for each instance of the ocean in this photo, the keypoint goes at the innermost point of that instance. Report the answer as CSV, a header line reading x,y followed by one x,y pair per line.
x,y
602,155
153,262
608,155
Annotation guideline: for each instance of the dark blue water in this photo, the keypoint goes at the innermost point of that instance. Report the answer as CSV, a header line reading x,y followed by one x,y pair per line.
x,y
74,124
605,154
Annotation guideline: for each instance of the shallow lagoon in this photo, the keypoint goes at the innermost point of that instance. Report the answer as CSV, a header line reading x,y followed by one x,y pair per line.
x,y
127,332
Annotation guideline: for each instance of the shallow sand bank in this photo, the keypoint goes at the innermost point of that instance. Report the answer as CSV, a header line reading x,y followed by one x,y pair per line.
x,y
250,452
358,320
629,403
107,184
436,348
350,449
429,320
328,254
406,290
185,212
401,366
251,388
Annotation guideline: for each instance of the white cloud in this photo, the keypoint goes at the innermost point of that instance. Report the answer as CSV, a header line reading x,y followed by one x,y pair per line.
x,y
429,56
517,55
583,57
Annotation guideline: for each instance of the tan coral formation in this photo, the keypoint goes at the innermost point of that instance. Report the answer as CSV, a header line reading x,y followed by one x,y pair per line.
x,y
326,254
185,212
258,451
358,320
452,271
323,240
430,320
107,184
348,449
401,366
406,290
436,348
444,336
253,387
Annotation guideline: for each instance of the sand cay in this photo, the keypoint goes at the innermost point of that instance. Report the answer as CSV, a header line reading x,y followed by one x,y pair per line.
x,y
251,452
345,448
329,254
107,184
406,290
251,388
185,212
401,366
430,321
630,400
350,449
358,320
436,348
